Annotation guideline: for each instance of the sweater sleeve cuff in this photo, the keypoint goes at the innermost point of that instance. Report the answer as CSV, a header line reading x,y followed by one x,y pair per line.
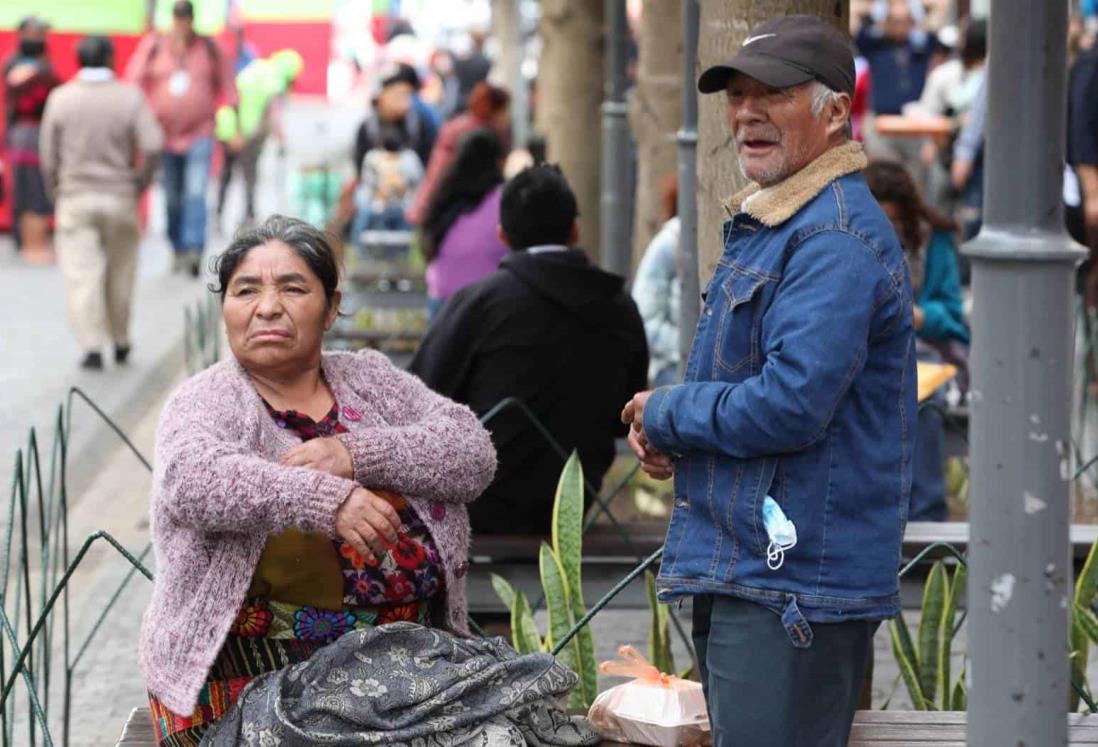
x,y
369,455
329,493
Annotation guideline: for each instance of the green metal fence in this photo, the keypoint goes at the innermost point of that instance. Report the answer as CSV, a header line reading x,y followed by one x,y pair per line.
x,y
35,571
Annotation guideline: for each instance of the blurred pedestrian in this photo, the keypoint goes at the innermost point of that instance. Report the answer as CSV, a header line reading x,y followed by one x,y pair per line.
x,y
657,288
100,148
1082,156
472,67
489,106
460,238
899,55
950,91
390,176
929,243
393,114
184,75
242,129
28,79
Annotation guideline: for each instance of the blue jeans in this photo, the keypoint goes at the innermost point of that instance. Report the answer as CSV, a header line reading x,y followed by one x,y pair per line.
x,y
761,691
185,176
389,218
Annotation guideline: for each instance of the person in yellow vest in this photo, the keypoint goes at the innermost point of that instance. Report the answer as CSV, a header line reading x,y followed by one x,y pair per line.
x,y
242,129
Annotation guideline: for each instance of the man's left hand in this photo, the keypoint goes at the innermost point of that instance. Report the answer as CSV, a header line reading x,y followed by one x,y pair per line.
x,y
323,454
656,465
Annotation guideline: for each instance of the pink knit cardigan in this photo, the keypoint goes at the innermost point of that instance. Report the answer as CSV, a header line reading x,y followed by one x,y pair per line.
x,y
219,493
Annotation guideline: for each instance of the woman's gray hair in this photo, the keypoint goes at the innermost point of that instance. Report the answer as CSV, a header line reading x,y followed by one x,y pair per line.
x,y
315,247
822,96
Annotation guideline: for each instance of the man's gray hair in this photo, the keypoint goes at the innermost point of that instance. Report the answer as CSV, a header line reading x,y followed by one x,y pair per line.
x,y
822,95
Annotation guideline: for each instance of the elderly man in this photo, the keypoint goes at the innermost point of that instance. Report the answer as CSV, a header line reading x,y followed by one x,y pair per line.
x,y
790,440
100,148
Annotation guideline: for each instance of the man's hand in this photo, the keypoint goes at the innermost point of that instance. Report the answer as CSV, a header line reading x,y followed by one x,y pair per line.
x,y
323,454
368,522
656,465
920,317
960,172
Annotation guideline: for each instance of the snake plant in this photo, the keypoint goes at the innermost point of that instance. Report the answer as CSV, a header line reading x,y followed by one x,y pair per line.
x,y
560,565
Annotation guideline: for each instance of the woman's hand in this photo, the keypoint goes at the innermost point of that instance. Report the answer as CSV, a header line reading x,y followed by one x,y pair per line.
x,y
368,522
323,454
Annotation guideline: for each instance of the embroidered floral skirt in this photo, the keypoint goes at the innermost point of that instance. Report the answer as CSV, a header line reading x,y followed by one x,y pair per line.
x,y
268,636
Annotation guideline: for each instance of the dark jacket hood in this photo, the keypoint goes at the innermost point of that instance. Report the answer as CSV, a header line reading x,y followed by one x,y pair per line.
x,y
568,278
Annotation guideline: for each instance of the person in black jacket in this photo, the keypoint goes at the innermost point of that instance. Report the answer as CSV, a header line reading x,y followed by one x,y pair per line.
x,y
394,115
551,329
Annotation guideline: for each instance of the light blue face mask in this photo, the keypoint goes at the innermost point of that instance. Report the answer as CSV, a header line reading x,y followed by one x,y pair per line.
x,y
782,533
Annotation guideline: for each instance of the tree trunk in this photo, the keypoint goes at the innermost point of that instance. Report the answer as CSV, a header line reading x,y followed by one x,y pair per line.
x,y
724,26
569,97
507,69
655,113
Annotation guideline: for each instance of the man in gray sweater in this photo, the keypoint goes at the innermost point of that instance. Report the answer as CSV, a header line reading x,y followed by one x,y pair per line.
x,y
99,148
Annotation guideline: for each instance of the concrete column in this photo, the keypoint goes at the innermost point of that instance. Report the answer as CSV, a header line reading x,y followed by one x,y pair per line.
x,y
1023,283
616,197
687,260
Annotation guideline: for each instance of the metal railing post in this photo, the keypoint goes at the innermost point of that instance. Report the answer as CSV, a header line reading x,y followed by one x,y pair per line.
x,y
1023,282
687,259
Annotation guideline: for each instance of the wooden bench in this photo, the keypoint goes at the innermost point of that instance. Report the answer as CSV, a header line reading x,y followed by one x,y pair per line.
x,y
871,729
942,728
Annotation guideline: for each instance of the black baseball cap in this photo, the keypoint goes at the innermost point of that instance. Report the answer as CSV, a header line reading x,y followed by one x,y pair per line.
x,y
788,51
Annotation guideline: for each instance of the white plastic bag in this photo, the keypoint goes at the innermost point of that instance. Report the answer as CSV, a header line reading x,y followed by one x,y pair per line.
x,y
653,709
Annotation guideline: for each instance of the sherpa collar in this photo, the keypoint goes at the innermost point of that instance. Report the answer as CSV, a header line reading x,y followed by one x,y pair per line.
x,y
777,204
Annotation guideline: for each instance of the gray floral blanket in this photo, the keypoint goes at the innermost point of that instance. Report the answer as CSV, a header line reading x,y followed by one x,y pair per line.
x,y
404,684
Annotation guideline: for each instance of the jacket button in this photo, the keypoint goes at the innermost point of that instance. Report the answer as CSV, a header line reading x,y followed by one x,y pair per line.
x,y
438,511
462,569
681,502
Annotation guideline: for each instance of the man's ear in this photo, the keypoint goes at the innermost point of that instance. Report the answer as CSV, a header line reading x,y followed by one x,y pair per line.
x,y
502,236
574,233
840,114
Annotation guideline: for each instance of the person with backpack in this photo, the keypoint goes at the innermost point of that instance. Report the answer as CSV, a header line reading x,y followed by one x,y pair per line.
x,y
185,76
391,174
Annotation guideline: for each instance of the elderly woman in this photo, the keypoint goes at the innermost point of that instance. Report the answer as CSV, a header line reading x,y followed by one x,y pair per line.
x,y
298,494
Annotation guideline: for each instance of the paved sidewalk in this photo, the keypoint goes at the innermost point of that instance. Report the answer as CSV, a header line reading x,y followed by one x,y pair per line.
x,y
39,357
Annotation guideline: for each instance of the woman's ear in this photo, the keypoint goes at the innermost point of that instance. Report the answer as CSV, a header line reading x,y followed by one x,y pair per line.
x,y
333,309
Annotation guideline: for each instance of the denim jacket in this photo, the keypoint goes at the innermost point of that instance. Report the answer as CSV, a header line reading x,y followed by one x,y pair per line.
x,y
801,386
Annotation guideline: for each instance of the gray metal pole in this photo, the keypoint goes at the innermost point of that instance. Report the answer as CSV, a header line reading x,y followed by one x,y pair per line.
x,y
614,245
687,260
1023,275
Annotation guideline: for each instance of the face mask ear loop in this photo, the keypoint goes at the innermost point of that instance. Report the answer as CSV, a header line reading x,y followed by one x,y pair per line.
x,y
775,554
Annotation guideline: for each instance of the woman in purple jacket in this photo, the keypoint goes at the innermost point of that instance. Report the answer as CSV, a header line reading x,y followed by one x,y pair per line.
x,y
460,235
298,495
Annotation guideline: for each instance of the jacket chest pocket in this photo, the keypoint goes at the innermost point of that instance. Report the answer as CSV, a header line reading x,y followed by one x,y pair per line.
x,y
737,348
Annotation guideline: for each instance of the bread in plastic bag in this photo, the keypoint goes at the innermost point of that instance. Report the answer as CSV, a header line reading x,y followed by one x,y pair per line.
x,y
652,709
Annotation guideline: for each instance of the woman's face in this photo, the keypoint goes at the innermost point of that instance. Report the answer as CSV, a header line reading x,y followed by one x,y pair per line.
x,y
275,311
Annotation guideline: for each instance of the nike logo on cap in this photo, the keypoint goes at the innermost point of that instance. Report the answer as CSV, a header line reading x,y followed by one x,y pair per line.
x,y
751,39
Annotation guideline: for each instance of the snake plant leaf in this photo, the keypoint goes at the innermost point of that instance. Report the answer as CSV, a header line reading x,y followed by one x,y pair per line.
x,y
1087,621
567,527
907,666
959,701
902,638
1086,588
954,589
504,590
930,622
524,632
557,602
659,634
568,546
